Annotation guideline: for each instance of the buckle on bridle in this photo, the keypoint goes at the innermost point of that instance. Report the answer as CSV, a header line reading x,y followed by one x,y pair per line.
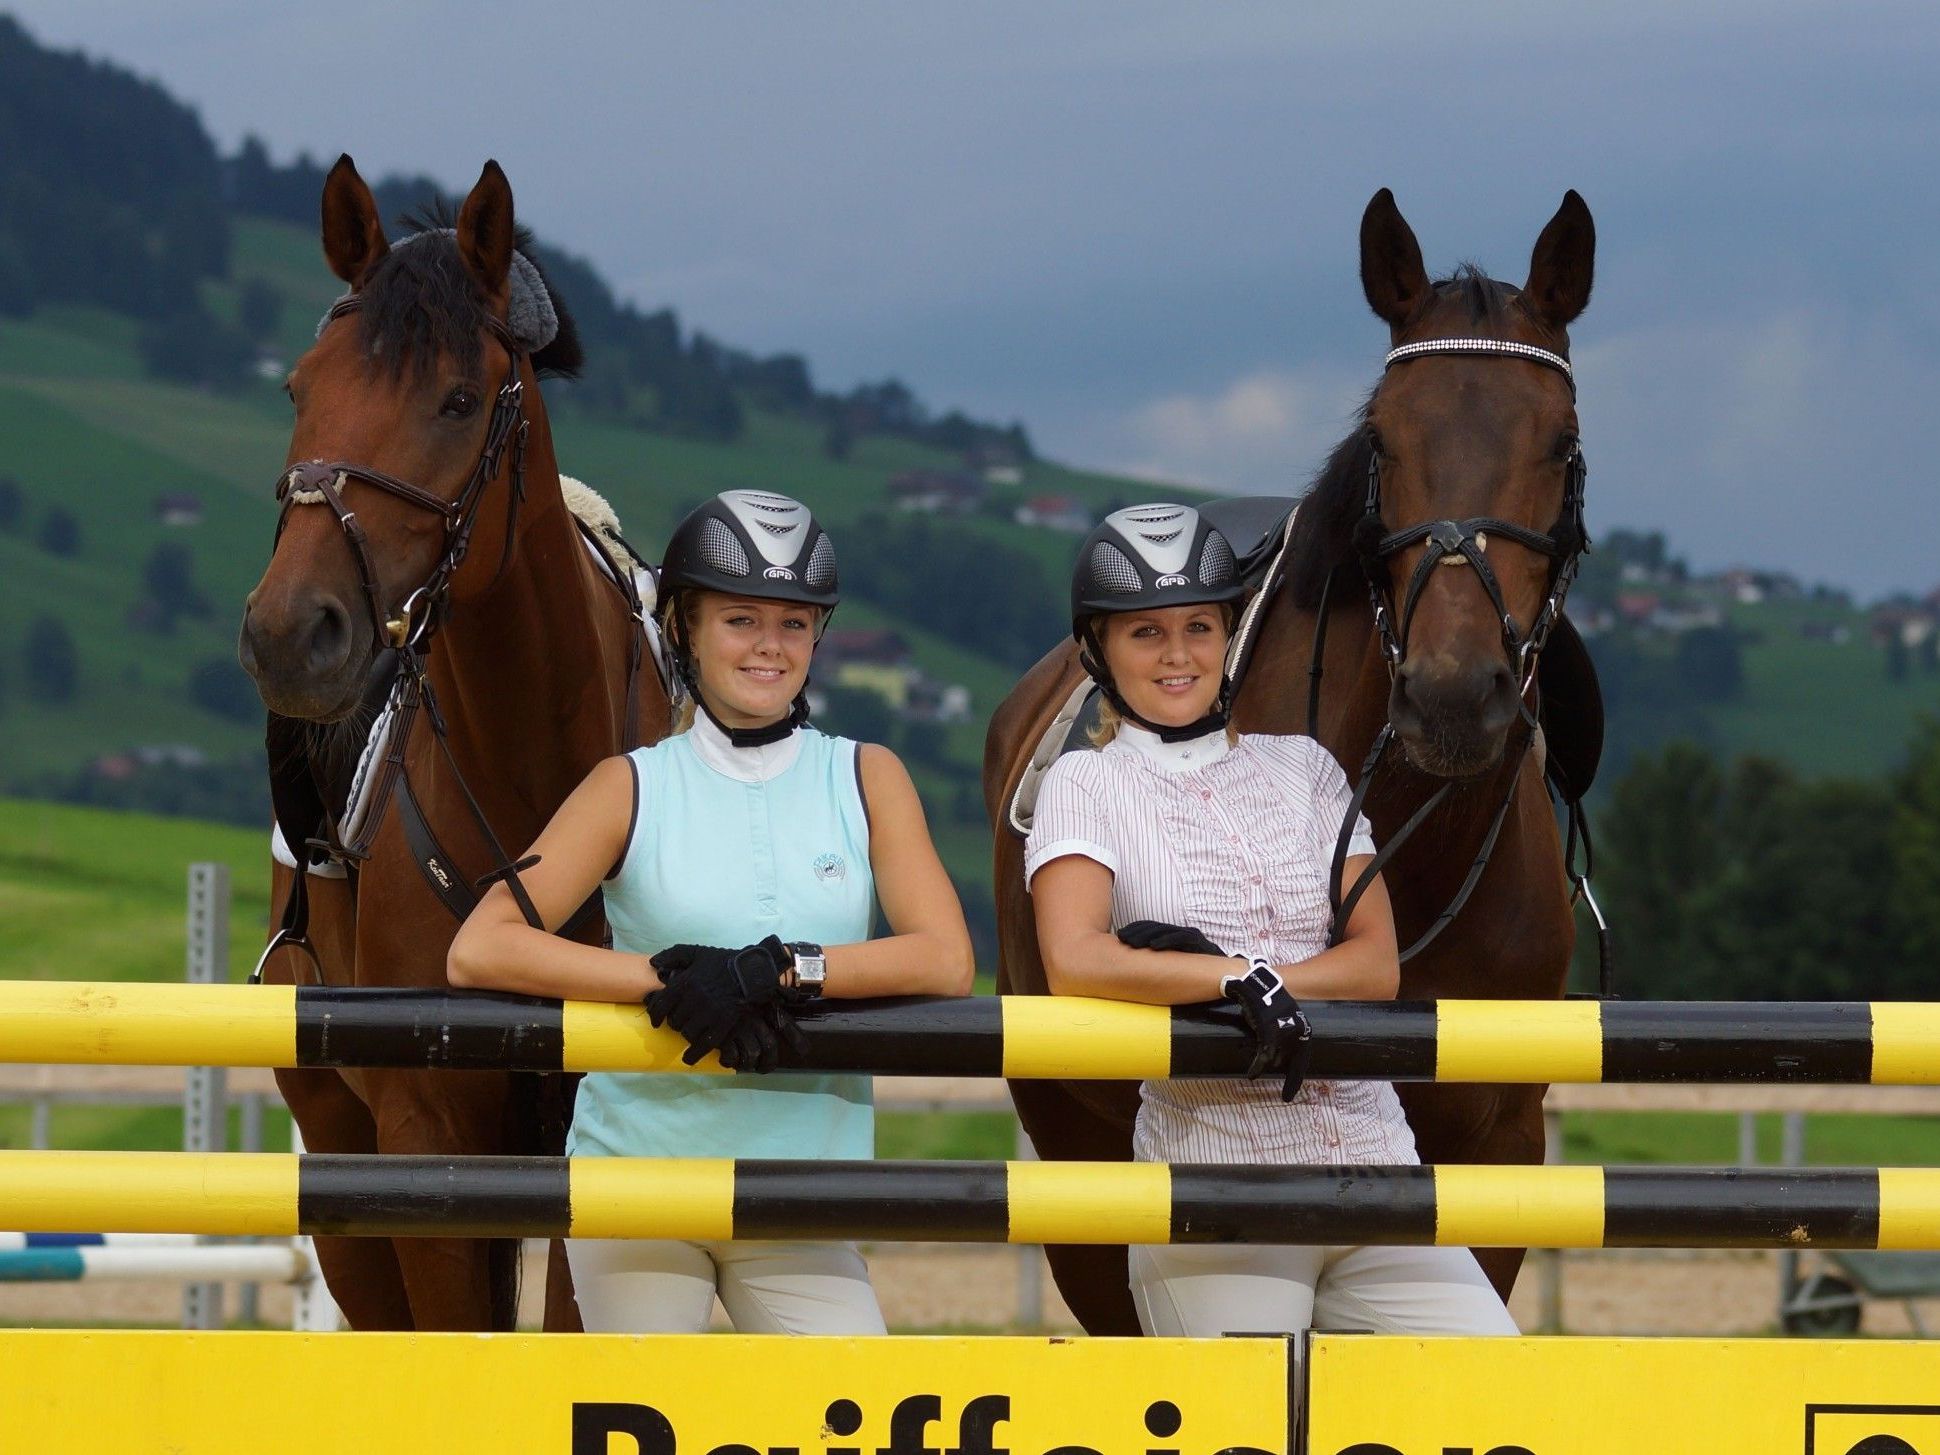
x,y
405,628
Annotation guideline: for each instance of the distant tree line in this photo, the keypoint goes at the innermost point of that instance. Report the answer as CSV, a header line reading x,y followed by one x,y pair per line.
x,y
984,593
110,190
1655,692
112,194
642,366
1747,881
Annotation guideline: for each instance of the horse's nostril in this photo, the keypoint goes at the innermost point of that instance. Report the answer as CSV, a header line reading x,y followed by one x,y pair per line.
x,y
329,638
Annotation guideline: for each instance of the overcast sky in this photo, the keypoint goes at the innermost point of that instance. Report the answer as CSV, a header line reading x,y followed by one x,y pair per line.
x,y
1133,225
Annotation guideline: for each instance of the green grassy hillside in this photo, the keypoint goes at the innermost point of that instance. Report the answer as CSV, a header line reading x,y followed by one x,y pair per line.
x,y
87,432
90,895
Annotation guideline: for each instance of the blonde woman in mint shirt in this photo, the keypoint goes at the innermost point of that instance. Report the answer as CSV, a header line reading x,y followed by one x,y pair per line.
x,y
741,861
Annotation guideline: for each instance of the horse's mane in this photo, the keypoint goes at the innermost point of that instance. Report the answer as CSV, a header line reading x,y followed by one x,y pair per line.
x,y
1323,534
420,302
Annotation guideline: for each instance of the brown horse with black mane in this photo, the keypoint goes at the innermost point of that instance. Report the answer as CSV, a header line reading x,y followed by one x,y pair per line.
x,y
1465,454
444,576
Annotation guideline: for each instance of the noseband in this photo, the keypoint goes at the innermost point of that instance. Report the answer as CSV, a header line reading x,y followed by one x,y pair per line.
x,y
321,482
1455,542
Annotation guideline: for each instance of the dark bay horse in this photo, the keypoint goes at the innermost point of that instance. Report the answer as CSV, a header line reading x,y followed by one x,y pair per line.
x,y
1483,437
425,539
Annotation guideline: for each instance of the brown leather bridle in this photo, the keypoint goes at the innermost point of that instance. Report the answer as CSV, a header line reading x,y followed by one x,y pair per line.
x,y
322,482
407,631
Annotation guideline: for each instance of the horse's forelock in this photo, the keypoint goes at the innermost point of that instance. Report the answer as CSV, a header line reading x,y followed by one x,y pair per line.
x,y
422,302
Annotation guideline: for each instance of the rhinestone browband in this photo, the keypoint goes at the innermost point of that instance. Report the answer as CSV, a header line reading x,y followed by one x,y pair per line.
x,y
1482,346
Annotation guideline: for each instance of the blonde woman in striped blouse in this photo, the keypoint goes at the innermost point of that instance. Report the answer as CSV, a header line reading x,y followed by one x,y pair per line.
x,y
1185,863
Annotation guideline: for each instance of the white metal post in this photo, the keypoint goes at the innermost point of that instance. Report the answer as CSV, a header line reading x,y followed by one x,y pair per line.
x,y
1030,1257
1549,1261
205,1104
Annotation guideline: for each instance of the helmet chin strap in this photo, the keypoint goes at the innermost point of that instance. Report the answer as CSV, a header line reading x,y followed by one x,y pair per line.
x,y
760,737
1091,658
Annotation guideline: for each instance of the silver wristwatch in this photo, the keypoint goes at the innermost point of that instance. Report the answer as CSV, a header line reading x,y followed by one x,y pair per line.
x,y
811,968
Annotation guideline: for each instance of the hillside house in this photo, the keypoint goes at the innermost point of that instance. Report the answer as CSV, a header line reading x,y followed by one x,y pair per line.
x,y
1054,512
1912,622
937,492
872,645
178,509
997,463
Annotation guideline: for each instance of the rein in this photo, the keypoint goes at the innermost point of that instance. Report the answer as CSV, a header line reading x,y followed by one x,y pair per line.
x,y
408,633
1456,543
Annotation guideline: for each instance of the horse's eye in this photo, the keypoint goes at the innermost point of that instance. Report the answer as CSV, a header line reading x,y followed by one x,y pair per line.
x,y
461,403
1565,446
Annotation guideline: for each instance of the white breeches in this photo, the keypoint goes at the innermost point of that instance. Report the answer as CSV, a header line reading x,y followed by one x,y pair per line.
x,y
626,1286
1207,1290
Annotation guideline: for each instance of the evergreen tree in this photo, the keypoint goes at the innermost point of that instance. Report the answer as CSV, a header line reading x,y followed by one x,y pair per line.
x,y
259,308
220,686
53,665
1914,830
1897,656
13,506
1660,857
168,580
60,533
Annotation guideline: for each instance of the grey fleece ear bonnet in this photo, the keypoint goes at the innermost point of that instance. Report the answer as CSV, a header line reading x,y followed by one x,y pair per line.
x,y
529,315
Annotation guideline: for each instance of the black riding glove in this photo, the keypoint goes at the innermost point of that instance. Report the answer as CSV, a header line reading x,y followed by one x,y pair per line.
x,y
1275,1019
729,1001
1153,934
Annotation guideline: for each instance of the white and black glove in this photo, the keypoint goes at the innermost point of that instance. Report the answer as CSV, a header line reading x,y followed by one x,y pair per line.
x,y
1274,1017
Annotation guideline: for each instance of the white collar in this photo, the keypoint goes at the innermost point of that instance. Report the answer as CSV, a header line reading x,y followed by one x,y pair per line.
x,y
1186,757
745,765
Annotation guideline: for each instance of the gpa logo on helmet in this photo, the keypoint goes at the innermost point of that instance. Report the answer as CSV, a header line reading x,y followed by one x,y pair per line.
x,y
779,573
1173,580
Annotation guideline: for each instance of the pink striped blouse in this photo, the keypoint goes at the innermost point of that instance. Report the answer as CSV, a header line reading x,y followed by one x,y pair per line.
x,y
1235,841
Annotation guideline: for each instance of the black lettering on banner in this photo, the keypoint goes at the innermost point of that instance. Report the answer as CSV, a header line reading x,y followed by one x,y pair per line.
x,y
844,1417
907,1421
977,1426
593,1421
652,1433
1872,1429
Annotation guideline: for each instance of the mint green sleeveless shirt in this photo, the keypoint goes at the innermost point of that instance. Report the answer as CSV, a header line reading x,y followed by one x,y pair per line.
x,y
715,860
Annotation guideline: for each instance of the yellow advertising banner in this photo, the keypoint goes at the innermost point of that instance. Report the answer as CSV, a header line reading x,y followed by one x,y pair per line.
x,y
601,1394
1561,1396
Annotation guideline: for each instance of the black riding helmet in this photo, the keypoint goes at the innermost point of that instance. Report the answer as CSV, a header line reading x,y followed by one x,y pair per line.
x,y
1143,558
756,544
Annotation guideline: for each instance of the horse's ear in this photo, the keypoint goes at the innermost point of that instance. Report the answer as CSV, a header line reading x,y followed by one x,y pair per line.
x,y
485,231
1563,265
1392,274
353,233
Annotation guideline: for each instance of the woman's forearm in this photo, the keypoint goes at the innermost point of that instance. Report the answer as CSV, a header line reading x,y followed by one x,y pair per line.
x,y
923,962
1103,966
1352,970
515,957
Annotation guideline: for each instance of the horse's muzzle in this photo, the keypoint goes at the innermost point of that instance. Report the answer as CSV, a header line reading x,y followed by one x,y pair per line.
x,y
1453,718
306,659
